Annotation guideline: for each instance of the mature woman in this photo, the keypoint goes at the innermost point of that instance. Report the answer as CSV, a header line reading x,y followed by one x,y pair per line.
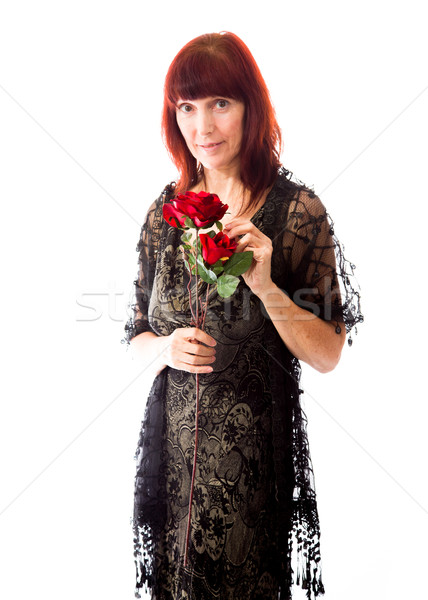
x,y
254,498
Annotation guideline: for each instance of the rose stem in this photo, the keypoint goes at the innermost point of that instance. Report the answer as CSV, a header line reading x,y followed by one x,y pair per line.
x,y
204,314
190,303
205,308
196,277
189,287
195,454
192,484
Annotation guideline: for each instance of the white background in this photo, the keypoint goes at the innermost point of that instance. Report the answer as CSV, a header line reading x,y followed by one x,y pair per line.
x,y
81,159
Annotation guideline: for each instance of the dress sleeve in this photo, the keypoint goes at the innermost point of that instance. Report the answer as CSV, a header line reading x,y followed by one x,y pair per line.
x,y
320,278
147,247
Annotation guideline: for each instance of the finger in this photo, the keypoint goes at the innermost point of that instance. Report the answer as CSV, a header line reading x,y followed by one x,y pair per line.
x,y
192,334
245,243
235,229
195,360
238,221
191,364
201,337
197,349
184,340
196,369
254,243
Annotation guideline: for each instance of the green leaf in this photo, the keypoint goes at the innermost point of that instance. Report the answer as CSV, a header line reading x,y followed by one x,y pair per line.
x,y
226,285
219,225
218,267
191,259
186,237
177,223
212,233
206,274
189,223
238,263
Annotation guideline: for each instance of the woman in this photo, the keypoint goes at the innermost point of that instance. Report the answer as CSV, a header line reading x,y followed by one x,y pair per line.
x,y
253,492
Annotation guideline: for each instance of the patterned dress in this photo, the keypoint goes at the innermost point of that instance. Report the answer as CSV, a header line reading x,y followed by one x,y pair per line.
x,y
254,497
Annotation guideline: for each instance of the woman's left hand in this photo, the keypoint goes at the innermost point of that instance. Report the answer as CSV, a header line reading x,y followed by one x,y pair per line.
x,y
258,276
308,337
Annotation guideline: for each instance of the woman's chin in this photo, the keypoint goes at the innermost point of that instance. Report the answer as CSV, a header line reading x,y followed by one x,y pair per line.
x,y
218,164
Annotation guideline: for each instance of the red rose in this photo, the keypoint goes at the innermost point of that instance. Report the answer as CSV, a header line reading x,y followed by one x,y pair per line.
x,y
204,209
213,249
171,215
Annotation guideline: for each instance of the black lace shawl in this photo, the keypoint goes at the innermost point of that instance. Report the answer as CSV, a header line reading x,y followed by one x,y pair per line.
x,y
309,264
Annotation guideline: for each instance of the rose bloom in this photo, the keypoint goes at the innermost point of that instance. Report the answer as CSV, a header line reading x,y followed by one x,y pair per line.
x,y
203,208
213,249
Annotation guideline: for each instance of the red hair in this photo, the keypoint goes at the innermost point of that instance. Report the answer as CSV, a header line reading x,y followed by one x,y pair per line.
x,y
220,64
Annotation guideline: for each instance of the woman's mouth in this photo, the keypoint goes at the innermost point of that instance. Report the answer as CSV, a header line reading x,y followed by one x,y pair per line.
x,y
209,147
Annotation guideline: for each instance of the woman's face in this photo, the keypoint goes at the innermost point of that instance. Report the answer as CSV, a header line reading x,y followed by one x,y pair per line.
x,y
212,128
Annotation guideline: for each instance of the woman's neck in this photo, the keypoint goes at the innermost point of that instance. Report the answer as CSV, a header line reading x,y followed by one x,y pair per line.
x,y
228,188
231,191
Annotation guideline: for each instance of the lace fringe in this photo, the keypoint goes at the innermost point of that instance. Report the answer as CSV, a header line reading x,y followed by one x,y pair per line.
x,y
143,558
308,569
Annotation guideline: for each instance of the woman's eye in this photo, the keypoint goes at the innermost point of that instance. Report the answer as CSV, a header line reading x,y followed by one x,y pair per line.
x,y
222,103
186,108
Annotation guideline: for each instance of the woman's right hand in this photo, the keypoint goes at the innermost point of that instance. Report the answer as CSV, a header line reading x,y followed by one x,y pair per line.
x,y
189,349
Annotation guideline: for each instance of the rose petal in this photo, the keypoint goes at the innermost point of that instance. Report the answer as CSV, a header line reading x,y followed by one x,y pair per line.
x,y
171,215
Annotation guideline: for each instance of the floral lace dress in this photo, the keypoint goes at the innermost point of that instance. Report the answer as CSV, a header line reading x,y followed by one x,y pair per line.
x,y
254,495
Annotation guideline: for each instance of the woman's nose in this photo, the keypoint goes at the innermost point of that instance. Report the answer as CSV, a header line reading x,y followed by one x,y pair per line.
x,y
205,123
